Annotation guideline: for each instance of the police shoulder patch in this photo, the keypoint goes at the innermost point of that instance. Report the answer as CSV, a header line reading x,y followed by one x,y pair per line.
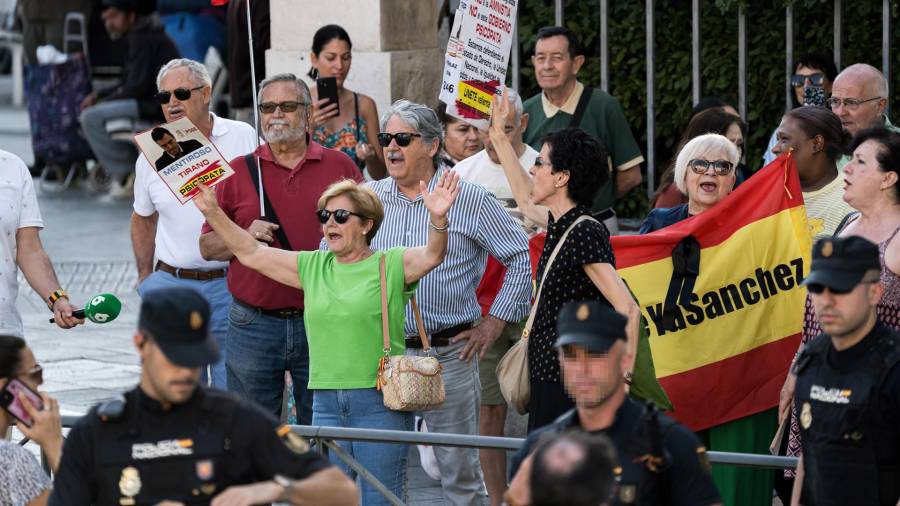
x,y
294,442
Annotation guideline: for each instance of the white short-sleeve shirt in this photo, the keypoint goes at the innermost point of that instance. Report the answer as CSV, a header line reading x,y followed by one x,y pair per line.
x,y
481,170
18,209
178,227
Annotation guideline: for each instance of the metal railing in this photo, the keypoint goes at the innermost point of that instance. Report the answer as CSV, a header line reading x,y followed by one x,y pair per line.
x,y
325,441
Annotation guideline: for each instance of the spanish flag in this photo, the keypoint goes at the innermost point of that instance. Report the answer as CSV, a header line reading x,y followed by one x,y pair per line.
x,y
722,297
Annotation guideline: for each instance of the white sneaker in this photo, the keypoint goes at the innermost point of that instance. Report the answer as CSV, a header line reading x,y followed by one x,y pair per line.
x,y
121,191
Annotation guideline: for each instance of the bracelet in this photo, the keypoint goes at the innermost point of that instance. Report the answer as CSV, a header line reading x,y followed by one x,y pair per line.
x,y
439,229
55,296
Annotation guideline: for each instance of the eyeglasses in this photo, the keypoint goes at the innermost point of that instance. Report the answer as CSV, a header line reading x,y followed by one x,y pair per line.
x,y
180,93
721,167
340,215
289,106
403,138
798,80
35,374
851,104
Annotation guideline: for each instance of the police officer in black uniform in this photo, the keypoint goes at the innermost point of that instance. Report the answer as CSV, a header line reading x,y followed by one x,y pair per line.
x,y
173,440
662,462
847,397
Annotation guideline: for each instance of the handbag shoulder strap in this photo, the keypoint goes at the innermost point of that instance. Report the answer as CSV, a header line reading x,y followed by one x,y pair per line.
x,y
537,298
385,328
253,169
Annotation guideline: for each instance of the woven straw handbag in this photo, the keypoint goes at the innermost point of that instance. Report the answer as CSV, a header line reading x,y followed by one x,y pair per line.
x,y
408,383
512,370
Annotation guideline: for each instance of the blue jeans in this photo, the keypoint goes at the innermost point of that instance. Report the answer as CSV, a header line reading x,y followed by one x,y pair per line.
x,y
461,478
364,408
115,156
215,292
260,349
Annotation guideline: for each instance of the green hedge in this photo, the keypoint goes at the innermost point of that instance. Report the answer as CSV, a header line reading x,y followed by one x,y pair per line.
x,y
813,31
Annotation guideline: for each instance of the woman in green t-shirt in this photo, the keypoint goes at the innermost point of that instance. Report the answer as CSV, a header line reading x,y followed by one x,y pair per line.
x,y
342,314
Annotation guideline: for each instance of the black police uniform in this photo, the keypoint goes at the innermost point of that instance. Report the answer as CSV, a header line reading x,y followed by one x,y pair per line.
x,y
189,453
683,478
848,405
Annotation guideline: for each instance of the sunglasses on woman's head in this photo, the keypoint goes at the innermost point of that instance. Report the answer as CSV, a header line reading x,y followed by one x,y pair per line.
x,y
340,215
798,80
721,167
180,93
403,138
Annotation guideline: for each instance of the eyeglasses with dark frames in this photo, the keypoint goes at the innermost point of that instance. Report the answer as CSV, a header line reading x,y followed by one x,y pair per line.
x,y
289,106
403,138
340,215
721,167
798,80
182,94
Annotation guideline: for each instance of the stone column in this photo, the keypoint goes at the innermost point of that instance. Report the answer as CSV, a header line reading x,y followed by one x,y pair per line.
x,y
395,49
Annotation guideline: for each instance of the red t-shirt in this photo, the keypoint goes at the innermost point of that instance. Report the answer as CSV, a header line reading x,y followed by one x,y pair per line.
x,y
294,193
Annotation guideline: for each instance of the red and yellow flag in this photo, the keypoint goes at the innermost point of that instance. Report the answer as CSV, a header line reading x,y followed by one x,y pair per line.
x,y
721,294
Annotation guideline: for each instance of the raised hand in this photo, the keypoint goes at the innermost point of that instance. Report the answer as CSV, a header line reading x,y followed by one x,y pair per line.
x,y
205,200
501,105
439,201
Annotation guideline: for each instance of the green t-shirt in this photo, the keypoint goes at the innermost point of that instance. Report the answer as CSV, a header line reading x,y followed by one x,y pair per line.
x,y
342,316
603,119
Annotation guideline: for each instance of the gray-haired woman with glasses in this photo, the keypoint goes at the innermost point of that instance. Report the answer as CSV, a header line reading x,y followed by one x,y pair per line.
x,y
704,171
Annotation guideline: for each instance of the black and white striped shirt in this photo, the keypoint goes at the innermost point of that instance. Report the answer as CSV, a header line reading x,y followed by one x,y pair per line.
x,y
478,226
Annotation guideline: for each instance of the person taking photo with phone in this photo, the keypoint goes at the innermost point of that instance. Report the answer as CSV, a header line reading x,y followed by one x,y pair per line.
x,y
342,119
22,481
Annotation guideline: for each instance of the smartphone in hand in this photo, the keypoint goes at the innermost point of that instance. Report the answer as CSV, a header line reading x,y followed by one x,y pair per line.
x,y
10,402
327,88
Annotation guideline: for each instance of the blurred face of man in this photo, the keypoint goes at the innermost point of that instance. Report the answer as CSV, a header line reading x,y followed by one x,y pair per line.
x,y
858,87
162,380
280,126
514,130
554,68
117,22
169,145
592,378
844,315
196,107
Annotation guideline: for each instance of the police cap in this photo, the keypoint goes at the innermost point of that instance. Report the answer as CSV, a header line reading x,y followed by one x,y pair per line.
x,y
177,319
590,324
840,263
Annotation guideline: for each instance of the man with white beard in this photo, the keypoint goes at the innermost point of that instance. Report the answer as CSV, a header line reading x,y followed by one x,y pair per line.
x,y
265,334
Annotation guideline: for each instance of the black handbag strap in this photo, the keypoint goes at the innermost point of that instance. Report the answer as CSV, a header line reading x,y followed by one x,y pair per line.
x,y
583,101
270,216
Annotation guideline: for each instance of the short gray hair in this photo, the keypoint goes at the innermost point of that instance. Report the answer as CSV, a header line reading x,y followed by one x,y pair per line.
x,y
420,118
196,69
869,73
302,89
703,145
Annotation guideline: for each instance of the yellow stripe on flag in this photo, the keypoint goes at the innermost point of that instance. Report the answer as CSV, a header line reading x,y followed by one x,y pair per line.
x,y
731,313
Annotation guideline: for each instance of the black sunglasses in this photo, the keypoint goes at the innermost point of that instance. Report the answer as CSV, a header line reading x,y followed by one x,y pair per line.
x,y
403,138
798,80
340,215
721,167
180,93
289,106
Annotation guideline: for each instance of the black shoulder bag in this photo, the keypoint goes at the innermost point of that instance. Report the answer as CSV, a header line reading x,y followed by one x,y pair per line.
x,y
270,216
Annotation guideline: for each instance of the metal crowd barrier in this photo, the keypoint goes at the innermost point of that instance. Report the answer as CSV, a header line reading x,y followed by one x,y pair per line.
x,y
325,437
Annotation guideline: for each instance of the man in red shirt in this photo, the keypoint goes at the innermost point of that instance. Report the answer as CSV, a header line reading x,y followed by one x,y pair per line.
x,y
266,336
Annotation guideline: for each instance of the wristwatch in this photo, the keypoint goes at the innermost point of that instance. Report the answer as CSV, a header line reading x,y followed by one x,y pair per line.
x,y
55,296
288,486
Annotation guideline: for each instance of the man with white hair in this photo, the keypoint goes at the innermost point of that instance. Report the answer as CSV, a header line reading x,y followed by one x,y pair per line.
x,y
859,97
162,227
483,168
411,139
266,336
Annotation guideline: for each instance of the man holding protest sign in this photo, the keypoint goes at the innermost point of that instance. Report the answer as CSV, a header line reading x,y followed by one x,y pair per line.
x,y
266,336
161,225
565,102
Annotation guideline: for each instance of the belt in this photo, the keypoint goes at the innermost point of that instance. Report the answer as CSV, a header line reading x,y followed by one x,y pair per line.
x,y
285,313
190,273
604,214
439,338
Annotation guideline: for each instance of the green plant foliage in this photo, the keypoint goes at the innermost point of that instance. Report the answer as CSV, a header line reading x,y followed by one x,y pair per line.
x,y
813,32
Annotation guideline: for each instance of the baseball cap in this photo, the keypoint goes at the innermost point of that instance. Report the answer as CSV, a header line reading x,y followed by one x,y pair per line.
x,y
177,319
840,263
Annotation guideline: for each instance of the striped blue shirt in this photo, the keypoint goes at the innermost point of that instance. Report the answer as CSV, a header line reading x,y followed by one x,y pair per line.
x,y
478,226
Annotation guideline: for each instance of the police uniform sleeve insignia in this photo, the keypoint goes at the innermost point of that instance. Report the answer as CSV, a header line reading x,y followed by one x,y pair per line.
x,y
806,415
703,458
296,443
129,485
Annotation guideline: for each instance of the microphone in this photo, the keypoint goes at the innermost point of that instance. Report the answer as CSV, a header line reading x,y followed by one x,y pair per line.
x,y
102,308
